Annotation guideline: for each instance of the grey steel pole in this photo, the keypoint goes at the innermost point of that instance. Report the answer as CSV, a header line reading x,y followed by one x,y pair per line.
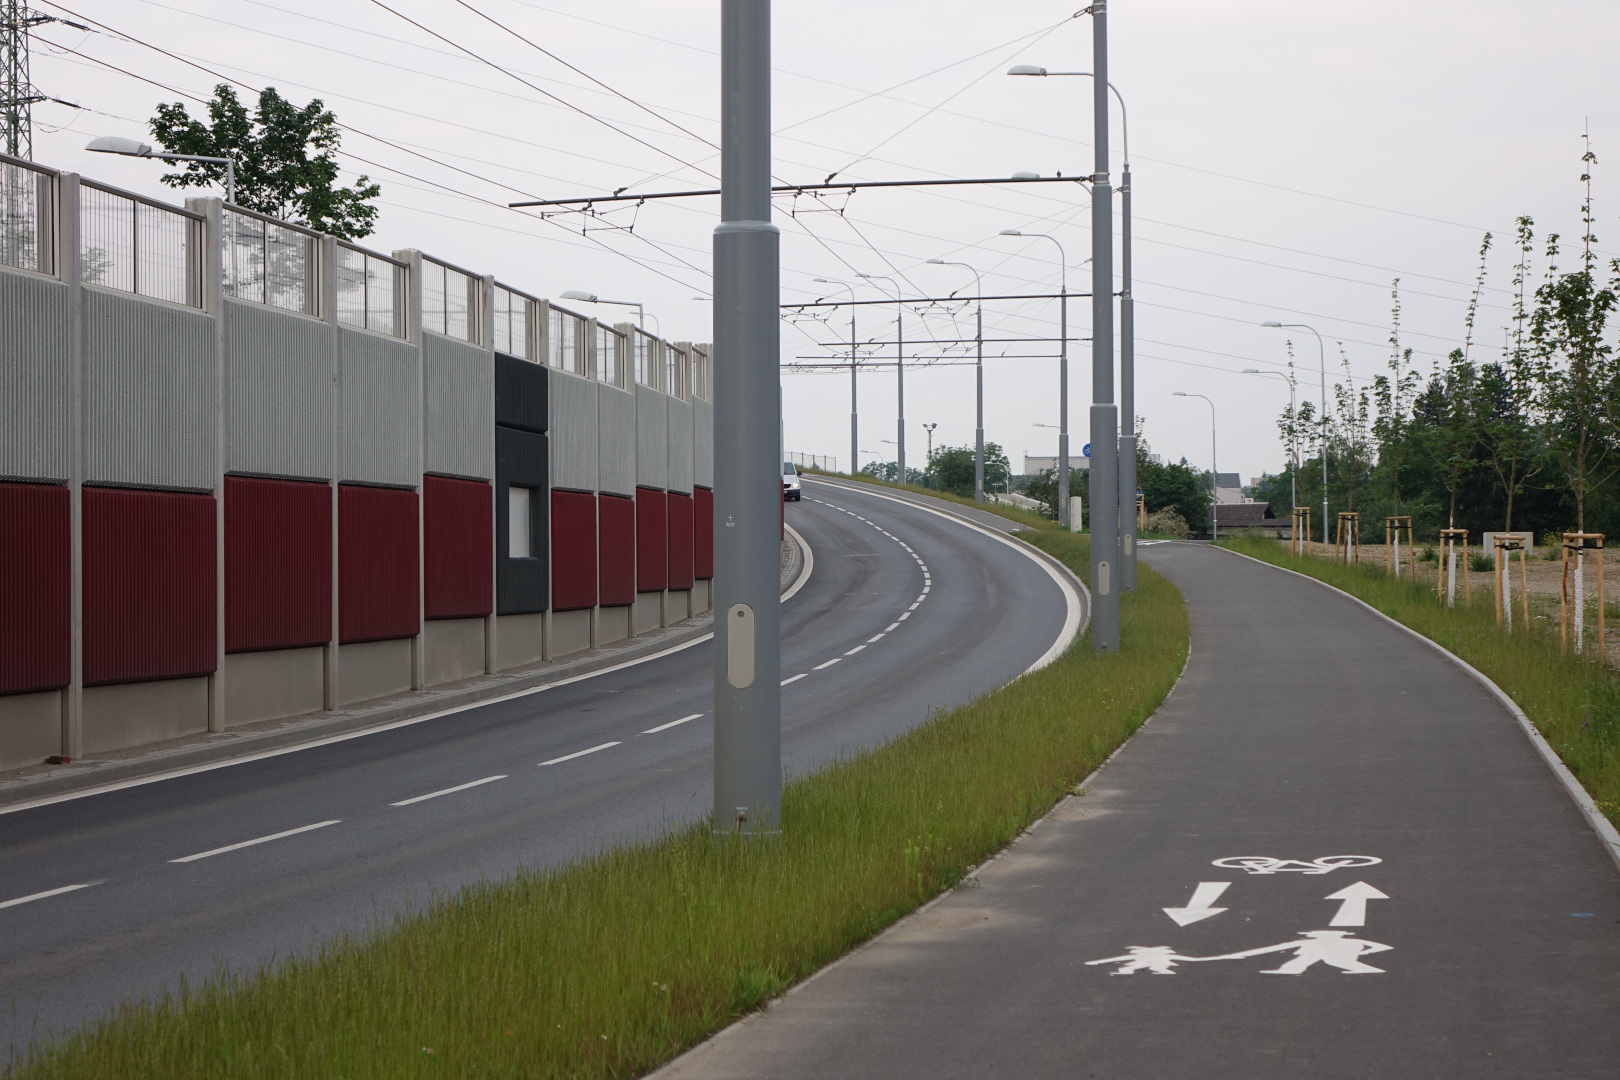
x,y
1127,393
1321,356
854,389
747,468
1104,414
1063,402
900,382
978,374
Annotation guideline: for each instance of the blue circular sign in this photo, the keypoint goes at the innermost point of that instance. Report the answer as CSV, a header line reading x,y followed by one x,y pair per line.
x,y
1085,451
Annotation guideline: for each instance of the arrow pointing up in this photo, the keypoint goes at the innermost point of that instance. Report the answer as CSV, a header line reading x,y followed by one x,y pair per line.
x,y
1353,912
1198,907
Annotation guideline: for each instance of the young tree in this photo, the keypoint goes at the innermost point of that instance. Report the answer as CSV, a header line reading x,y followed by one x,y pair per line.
x,y
1508,396
1348,432
285,159
1393,395
1449,414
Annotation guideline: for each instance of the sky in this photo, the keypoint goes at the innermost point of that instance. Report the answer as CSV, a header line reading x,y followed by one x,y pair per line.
x,y
1291,161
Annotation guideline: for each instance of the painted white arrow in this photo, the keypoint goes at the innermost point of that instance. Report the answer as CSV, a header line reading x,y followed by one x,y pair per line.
x,y
1198,907
1353,912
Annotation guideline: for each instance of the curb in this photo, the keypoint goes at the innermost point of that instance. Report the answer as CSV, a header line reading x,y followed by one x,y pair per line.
x,y
1607,834
220,749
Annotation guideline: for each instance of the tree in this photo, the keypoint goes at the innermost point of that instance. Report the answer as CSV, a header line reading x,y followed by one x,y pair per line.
x,y
952,468
1177,487
285,159
1449,411
1393,394
1508,393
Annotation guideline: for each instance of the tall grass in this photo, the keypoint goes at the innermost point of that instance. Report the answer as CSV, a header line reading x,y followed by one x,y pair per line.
x,y
611,965
1574,702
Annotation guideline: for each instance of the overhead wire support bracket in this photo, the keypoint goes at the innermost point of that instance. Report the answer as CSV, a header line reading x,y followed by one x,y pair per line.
x,y
799,188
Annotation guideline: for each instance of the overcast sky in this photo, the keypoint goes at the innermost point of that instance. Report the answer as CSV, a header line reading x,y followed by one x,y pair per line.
x,y
1291,159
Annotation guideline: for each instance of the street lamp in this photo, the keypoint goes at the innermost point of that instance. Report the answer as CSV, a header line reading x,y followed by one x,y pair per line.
x,y
1063,380
1321,356
1214,469
641,314
1127,339
117,144
854,419
929,460
899,369
978,452
1293,441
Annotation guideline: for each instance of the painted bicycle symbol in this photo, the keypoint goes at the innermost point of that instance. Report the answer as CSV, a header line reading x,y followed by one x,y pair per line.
x,y
1265,864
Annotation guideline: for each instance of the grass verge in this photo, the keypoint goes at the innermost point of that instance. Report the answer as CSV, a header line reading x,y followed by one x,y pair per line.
x,y
612,965
1027,518
1574,703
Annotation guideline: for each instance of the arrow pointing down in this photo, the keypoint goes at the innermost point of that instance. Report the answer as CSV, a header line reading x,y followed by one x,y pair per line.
x,y
1198,907
1353,912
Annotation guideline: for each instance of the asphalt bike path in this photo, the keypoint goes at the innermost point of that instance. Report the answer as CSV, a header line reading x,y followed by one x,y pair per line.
x,y
1331,853
125,891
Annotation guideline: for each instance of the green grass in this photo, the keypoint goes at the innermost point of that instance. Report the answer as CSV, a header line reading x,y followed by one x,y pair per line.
x,y
1574,702
611,965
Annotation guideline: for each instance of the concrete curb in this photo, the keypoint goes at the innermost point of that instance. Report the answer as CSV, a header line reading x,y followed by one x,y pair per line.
x,y
1607,834
88,776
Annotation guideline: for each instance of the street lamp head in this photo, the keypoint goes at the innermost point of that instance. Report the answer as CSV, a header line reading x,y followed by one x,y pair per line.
x,y
1178,393
936,262
117,144
1272,325
576,294
1011,232
825,280
1026,69
1026,176
1252,371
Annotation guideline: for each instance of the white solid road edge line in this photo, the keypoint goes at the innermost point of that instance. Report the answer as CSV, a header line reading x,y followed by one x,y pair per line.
x,y
449,790
31,897
577,753
327,740
1073,623
1572,786
260,840
795,678
672,723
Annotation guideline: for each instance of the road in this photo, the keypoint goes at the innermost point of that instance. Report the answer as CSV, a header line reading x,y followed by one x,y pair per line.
x,y
1321,796
905,610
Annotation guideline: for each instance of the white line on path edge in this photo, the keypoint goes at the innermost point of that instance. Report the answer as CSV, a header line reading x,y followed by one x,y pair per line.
x,y
250,843
672,723
577,753
47,893
449,790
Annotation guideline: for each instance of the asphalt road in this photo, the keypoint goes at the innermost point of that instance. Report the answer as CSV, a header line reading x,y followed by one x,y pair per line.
x,y
1316,772
904,611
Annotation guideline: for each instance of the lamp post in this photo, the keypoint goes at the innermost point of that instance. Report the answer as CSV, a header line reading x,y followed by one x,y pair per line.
x,y
899,370
854,418
1127,345
1063,383
641,314
929,460
978,337
1214,469
1293,441
117,144
1321,356
747,416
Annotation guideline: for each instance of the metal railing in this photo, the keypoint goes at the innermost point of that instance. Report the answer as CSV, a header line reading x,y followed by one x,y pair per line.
x,y
370,291
136,245
452,301
702,373
269,262
649,359
609,353
824,462
27,216
517,324
566,342
679,373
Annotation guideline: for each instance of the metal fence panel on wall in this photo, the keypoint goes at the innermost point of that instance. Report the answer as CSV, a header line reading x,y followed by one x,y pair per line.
x,y
135,245
27,216
268,262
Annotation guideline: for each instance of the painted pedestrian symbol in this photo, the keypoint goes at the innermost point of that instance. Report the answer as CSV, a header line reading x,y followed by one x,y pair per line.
x,y
1159,959
1336,948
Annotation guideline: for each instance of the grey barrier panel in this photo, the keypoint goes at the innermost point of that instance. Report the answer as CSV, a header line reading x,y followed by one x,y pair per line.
x,y
521,391
616,455
34,370
703,443
652,438
522,585
279,379
150,376
574,436
459,426
680,445
380,411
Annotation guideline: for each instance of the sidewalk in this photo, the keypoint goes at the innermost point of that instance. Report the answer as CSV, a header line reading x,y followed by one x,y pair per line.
x,y
1316,772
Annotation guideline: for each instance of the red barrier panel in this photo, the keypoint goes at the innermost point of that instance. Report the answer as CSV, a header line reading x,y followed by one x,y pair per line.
x,y
703,533
458,533
652,540
616,544
377,563
278,563
573,550
681,539
36,587
148,585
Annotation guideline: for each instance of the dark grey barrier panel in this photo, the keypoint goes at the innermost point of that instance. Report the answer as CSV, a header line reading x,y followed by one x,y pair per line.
x,y
523,584
521,393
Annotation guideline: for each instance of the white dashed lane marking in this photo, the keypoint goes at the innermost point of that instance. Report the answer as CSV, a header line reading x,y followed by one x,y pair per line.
x,y
211,852
449,790
575,754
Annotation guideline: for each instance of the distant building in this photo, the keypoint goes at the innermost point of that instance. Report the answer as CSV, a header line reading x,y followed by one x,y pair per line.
x,y
1033,465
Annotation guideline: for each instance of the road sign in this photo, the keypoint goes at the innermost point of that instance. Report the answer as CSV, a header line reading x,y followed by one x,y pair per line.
x,y
1085,451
